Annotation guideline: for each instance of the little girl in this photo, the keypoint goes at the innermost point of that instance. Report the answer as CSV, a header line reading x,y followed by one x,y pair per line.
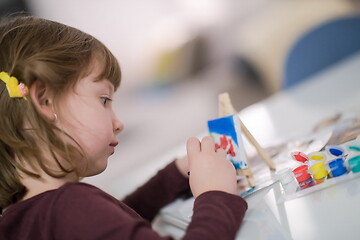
x,y
57,126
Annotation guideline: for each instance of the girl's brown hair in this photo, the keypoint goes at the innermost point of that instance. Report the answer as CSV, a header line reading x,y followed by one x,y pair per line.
x,y
34,49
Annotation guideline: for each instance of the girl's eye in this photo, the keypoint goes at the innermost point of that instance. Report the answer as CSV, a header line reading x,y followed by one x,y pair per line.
x,y
105,100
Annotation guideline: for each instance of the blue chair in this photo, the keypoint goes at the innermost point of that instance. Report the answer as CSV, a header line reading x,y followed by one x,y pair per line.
x,y
321,47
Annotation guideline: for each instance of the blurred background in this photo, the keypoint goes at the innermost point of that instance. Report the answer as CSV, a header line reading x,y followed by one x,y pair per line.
x,y
176,57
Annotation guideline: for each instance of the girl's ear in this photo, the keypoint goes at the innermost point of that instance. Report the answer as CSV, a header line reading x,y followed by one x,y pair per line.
x,y
42,98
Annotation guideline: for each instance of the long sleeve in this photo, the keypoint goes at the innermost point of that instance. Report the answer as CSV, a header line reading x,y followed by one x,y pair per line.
x,y
81,211
167,185
92,214
216,215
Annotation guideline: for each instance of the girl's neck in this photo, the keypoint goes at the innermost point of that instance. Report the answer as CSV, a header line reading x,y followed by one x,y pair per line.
x,y
45,183
36,186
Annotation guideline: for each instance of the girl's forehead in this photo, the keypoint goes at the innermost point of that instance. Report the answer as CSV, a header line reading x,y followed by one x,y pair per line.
x,y
105,68
92,81
95,74
106,84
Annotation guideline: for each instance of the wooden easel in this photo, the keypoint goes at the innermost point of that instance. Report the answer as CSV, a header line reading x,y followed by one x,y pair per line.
x,y
226,109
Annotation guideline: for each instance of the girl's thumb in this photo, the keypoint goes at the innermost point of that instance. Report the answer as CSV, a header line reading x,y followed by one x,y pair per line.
x,y
192,147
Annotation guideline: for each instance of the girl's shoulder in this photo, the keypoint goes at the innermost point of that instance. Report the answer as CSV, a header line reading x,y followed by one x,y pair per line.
x,y
63,198
70,212
80,195
79,189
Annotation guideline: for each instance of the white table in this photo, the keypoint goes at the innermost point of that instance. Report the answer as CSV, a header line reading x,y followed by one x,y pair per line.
x,y
329,213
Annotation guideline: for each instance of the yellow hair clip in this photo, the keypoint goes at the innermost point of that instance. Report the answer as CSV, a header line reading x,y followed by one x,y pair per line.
x,y
15,89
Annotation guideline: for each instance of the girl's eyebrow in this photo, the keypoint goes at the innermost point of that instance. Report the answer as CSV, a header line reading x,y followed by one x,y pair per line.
x,y
111,87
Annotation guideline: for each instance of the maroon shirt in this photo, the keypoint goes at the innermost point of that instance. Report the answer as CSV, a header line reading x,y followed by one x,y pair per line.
x,y
82,211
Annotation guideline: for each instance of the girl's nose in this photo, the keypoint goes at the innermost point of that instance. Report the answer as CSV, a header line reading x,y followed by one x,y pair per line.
x,y
118,125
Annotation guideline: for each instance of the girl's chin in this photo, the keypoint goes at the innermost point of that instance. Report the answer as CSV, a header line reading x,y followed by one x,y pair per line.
x,y
96,170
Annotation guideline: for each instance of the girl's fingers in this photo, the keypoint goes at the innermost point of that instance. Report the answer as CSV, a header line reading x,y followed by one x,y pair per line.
x,y
207,144
192,146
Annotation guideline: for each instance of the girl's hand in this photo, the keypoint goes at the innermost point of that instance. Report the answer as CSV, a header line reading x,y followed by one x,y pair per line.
x,y
209,169
182,165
